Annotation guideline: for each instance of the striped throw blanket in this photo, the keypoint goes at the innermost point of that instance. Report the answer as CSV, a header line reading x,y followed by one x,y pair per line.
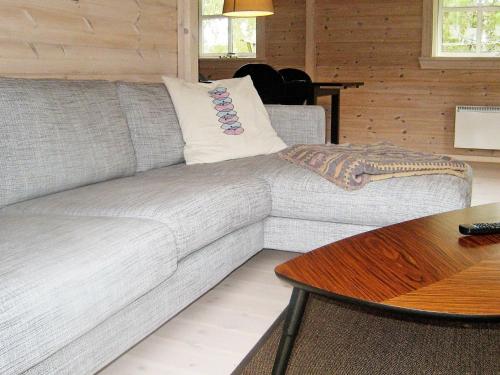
x,y
353,166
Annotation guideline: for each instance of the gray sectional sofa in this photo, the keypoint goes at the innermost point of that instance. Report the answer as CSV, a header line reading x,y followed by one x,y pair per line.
x,y
105,233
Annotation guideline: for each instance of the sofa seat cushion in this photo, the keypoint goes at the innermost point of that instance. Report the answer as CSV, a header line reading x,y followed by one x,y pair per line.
x,y
302,194
298,193
62,276
262,167
198,208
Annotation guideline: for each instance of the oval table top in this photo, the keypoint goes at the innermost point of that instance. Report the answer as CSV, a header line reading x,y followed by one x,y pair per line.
x,y
423,266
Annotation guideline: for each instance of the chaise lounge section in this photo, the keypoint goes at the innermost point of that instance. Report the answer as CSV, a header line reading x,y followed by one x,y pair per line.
x,y
105,232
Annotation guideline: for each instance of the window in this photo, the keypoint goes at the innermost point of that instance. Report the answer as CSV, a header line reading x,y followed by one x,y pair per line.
x,y
461,34
224,36
468,28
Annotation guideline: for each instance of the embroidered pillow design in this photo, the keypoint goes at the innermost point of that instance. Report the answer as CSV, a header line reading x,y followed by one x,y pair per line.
x,y
225,111
222,120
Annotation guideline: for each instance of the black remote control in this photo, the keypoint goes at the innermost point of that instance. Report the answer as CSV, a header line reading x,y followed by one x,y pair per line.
x,y
479,228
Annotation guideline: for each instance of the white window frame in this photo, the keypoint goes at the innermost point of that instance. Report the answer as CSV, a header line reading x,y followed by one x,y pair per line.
x,y
230,38
438,39
429,58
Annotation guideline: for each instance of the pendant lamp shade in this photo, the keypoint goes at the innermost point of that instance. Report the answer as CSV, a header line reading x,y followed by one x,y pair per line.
x,y
248,8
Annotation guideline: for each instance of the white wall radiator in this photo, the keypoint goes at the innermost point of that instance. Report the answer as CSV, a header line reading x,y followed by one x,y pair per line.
x,y
477,127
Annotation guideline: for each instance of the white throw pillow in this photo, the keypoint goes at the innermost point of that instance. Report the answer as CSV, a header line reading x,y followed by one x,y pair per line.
x,y
222,120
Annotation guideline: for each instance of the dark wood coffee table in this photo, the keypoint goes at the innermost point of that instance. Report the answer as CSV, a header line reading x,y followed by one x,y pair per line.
x,y
423,266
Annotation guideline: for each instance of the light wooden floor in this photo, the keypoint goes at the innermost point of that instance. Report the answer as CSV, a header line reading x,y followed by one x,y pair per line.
x,y
216,332
486,183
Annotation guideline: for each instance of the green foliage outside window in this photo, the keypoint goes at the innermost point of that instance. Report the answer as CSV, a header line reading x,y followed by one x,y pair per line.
x,y
222,35
470,27
211,7
491,31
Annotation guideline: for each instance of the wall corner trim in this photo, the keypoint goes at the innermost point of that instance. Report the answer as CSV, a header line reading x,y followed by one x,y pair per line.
x,y
187,39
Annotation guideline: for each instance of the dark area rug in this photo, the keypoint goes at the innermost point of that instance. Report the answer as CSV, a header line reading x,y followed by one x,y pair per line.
x,y
337,338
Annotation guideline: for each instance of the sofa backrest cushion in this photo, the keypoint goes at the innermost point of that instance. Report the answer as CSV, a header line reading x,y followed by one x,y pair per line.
x,y
153,125
57,135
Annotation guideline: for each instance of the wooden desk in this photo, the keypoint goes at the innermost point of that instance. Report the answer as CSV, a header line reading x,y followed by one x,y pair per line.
x,y
332,89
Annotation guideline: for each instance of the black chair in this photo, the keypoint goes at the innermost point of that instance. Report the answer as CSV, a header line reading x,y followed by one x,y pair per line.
x,y
298,86
267,81
292,74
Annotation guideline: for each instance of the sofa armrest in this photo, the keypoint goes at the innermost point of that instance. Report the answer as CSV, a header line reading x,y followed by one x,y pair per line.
x,y
298,124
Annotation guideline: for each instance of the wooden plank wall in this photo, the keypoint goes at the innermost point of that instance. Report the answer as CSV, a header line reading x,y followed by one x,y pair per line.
x,y
379,42
284,42
286,35
133,40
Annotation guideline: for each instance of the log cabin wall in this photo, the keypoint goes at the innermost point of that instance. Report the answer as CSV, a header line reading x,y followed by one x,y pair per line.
x,y
379,42
133,40
286,35
284,42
